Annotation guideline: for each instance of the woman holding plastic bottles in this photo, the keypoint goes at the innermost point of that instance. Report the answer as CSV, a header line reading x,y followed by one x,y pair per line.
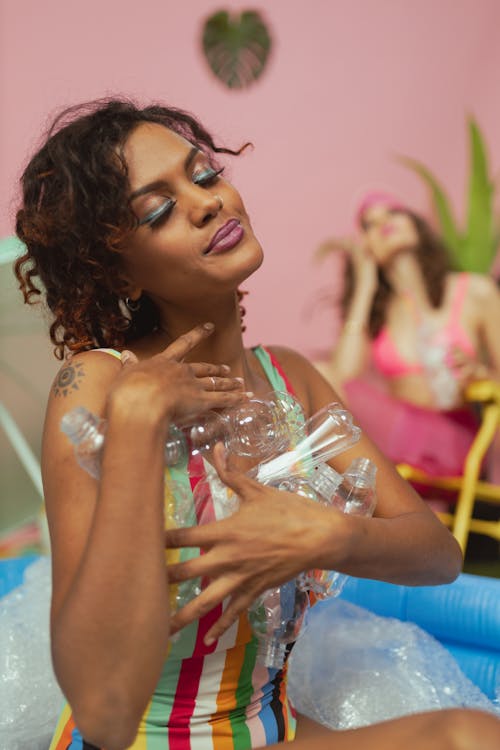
x,y
141,245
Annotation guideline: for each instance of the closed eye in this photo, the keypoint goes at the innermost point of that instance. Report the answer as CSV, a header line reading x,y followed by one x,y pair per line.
x,y
207,176
160,214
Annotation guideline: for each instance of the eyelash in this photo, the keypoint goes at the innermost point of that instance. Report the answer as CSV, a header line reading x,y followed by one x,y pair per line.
x,y
161,214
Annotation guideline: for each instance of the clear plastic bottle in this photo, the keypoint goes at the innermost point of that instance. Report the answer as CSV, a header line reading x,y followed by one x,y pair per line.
x,y
276,618
355,495
327,433
264,426
255,429
87,433
352,492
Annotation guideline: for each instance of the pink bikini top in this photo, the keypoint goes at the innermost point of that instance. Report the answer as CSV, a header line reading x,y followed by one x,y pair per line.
x,y
389,361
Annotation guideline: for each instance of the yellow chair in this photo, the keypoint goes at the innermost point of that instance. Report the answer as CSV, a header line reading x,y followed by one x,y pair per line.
x,y
469,487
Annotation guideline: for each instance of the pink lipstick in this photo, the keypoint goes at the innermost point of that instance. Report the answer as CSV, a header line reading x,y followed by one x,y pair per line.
x,y
226,237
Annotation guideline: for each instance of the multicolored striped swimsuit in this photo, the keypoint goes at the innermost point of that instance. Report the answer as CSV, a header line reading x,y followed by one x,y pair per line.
x,y
209,698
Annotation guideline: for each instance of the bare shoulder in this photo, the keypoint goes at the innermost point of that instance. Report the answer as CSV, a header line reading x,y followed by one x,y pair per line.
x,y
289,357
310,385
82,377
483,288
82,380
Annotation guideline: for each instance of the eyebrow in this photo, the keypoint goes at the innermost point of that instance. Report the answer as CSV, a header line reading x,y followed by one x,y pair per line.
x,y
151,186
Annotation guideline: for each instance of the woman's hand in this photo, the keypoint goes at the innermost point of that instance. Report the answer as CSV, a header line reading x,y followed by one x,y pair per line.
x,y
468,369
363,261
170,387
271,538
334,244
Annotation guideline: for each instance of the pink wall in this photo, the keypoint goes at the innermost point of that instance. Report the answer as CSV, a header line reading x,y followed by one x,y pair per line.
x,y
349,86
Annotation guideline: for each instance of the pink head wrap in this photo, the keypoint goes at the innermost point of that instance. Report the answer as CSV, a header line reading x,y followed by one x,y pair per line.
x,y
377,198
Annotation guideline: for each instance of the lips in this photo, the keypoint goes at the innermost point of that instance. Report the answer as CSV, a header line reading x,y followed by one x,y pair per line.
x,y
226,237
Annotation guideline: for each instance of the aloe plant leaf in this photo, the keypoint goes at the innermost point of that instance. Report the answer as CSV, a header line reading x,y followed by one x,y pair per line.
x,y
236,47
449,229
479,248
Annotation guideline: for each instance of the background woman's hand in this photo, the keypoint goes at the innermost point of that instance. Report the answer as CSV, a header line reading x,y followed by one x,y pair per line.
x,y
357,250
271,538
168,386
468,369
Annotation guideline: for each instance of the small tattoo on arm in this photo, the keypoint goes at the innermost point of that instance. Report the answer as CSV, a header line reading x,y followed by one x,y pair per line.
x,y
68,379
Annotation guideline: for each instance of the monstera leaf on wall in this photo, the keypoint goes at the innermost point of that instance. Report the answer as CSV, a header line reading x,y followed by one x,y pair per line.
x,y
236,47
474,247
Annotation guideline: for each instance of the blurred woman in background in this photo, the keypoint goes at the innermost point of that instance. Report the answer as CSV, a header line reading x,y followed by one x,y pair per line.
x,y
422,333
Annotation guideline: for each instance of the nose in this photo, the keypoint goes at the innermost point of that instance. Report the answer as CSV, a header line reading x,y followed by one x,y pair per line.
x,y
205,206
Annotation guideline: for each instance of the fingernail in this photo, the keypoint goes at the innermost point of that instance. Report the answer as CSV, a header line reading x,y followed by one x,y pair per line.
x,y
240,380
209,640
125,357
208,326
225,368
250,394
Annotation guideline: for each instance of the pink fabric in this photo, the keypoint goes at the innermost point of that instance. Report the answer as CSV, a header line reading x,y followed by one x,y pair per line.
x,y
389,361
387,358
378,198
436,442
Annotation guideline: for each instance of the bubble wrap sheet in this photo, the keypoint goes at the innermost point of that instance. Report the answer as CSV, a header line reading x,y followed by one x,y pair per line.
x,y
30,698
350,668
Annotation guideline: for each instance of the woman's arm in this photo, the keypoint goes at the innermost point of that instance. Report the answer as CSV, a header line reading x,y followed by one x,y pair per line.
x,y
487,298
450,729
110,618
405,542
351,354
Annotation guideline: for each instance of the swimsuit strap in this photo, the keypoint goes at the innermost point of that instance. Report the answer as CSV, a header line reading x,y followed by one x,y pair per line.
x,y
273,370
114,352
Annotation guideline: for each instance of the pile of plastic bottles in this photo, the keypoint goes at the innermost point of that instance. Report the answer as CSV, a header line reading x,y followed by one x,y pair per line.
x,y
277,447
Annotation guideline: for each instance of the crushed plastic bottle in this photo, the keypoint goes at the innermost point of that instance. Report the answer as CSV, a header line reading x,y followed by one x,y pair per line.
x,y
352,492
328,432
276,618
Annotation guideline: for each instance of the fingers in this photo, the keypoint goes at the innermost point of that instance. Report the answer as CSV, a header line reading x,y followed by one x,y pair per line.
x,y
215,593
207,369
214,383
193,536
216,377
232,477
334,244
209,598
238,603
179,348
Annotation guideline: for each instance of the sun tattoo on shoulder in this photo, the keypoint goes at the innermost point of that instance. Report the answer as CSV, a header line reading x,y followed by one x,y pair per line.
x,y
68,379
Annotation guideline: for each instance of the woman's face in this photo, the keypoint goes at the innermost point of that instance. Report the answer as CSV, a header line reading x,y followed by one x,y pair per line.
x,y
388,231
194,237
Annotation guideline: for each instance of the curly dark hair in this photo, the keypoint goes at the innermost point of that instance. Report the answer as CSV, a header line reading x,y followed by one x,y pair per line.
x,y
75,213
434,261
